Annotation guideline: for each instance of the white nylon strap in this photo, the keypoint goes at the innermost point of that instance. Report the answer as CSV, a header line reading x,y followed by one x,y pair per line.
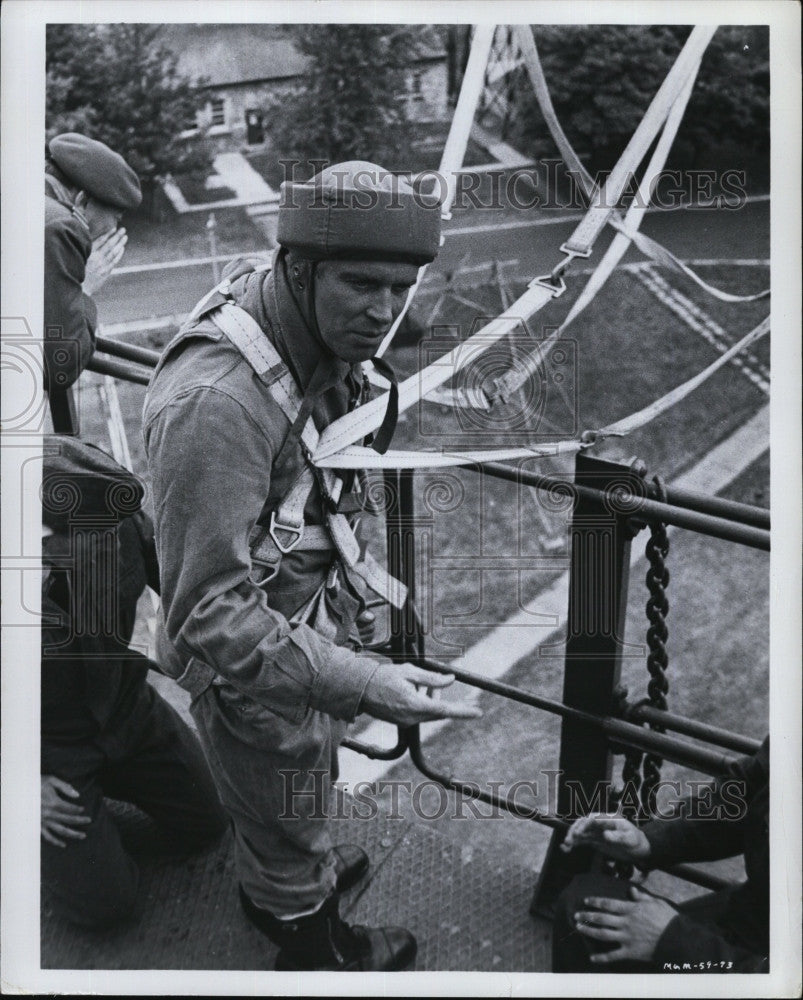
x,y
353,456
454,151
582,239
366,418
636,420
531,363
648,246
249,338
356,457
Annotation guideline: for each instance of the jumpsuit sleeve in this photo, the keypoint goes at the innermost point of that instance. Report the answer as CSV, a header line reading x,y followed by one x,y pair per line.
x,y
210,465
708,828
696,947
70,315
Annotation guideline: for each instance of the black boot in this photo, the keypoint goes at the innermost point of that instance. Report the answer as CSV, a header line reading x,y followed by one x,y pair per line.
x,y
351,865
323,941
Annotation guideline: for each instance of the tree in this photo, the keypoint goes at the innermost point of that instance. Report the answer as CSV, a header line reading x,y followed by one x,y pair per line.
x,y
603,77
352,104
119,84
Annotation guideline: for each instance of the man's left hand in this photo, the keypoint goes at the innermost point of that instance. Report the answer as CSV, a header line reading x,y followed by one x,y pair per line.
x,y
634,925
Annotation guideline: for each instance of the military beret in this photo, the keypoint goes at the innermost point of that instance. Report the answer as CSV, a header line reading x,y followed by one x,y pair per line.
x,y
96,169
359,209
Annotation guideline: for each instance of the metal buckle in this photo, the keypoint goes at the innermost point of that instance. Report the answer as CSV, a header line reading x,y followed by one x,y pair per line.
x,y
585,254
552,282
291,529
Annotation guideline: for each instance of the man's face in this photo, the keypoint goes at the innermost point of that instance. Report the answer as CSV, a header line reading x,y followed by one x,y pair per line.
x,y
102,218
357,301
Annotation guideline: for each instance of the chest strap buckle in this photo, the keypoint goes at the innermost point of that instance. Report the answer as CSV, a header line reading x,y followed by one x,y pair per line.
x,y
295,531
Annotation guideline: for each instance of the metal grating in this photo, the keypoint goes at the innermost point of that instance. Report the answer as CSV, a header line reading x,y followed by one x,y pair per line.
x,y
468,911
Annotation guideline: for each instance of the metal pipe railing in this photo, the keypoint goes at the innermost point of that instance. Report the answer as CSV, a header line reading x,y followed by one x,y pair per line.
x,y
639,506
688,872
119,369
744,513
694,728
377,753
128,352
698,758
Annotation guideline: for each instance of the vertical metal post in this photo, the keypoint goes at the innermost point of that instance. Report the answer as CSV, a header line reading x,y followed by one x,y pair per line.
x,y
405,630
62,410
598,579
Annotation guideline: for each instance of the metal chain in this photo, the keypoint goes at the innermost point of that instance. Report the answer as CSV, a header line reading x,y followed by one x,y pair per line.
x,y
657,634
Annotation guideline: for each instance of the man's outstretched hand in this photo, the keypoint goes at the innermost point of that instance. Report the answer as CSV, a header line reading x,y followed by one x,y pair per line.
x,y
613,835
393,694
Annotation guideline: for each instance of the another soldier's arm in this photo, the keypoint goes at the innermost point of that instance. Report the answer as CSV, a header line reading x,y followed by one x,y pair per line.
x,y
70,315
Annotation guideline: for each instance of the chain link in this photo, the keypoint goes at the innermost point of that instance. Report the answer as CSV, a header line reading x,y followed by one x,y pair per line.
x,y
657,659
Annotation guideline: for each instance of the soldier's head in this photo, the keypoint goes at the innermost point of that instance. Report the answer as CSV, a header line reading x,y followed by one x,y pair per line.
x,y
93,178
354,237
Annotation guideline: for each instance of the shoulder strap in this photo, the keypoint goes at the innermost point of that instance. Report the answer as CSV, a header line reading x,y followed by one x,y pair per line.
x,y
287,524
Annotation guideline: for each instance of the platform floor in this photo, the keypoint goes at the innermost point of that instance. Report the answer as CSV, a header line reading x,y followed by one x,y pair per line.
x,y
468,911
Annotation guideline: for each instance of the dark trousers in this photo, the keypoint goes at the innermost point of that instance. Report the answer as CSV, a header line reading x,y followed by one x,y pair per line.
x,y
571,951
151,759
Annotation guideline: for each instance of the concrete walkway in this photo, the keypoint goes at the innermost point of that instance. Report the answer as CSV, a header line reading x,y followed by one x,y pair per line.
x,y
233,171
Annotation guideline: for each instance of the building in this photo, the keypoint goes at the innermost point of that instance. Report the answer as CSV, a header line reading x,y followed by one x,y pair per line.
x,y
246,67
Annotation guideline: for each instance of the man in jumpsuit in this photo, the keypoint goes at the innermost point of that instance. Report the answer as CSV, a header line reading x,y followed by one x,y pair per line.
x,y
259,612
87,188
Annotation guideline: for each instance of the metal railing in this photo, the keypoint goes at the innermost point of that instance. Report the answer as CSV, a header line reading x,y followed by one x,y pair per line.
x,y
610,504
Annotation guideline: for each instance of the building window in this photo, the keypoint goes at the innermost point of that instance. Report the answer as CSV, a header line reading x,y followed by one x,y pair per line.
x,y
191,121
416,86
218,111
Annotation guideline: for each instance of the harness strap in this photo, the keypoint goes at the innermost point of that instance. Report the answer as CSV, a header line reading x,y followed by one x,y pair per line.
x,y
248,337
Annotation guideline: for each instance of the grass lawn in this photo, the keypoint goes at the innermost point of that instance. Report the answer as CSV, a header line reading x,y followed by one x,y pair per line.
x,y
181,237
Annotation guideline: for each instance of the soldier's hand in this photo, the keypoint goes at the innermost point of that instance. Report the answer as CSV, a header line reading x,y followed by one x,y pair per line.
x,y
107,251
366,623
631,927
612,834
61,818
393,694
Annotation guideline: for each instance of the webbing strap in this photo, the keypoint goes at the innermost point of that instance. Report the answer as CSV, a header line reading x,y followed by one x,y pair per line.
x,y
454,151
362,421
648,246
351,427
530,364
353,456
249,338
587,231
636,420
651,248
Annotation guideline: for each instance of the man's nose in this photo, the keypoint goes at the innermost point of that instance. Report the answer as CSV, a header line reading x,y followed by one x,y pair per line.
x,y
381,307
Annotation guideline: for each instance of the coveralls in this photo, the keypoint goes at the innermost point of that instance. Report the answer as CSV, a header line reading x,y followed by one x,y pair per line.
x,y
724,931
104,729
271,698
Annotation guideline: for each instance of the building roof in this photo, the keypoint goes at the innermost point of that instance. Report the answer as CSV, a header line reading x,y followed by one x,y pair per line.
x,y
234,53
247,53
